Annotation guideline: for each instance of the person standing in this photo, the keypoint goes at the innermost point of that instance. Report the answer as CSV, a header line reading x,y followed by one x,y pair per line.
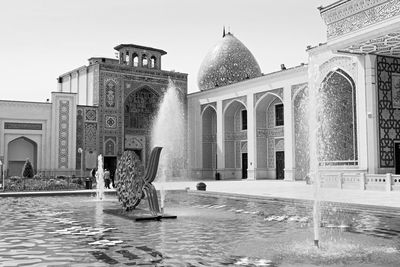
x,y
107,179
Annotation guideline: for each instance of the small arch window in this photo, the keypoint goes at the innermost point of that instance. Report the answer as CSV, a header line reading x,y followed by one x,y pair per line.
x,y
153,62
135,59
145,61
126,60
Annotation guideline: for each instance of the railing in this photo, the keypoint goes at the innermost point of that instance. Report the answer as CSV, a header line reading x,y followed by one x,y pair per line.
x,y
361,181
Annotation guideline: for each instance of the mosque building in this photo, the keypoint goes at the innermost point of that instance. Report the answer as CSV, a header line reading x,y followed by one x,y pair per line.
x,y
242,123
103,108
245,124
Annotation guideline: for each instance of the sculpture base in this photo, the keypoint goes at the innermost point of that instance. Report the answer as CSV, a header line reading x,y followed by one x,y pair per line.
x,y
138,215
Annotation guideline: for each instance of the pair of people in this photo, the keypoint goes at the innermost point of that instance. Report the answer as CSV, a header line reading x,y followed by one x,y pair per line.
x,y
107,178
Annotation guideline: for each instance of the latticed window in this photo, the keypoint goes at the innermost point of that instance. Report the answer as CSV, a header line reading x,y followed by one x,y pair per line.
x,y
140,108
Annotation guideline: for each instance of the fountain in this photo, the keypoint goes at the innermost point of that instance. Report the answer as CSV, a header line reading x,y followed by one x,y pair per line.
x,y
168,131
313,143
100,179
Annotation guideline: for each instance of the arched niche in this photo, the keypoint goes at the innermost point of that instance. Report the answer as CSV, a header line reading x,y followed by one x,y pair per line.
x,y
209,132
267,129
19,150
337,118
140,107
235,115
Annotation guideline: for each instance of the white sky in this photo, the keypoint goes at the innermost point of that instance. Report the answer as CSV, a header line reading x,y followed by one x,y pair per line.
x,y
41,39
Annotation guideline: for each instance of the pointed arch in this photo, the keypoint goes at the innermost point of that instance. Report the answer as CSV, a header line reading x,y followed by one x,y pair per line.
x,y
338,119
19,150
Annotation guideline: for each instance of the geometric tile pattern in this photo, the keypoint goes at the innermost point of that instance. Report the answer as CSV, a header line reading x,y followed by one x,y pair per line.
x,y
90,114
389,117
90,136
110,93
111,121
63,134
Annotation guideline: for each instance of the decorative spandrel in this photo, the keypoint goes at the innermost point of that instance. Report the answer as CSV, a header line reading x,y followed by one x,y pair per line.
x,y
140,108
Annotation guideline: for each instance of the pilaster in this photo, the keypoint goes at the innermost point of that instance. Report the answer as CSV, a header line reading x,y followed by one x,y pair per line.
x,y
251,137
289,134
220,137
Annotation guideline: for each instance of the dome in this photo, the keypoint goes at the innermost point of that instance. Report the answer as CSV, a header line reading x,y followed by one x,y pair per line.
x,y
229,61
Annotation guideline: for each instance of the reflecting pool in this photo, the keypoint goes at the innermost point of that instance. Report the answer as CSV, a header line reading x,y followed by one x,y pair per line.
x,y
209,231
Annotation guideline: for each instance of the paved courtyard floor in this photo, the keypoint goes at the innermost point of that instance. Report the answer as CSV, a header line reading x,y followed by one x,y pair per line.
x,y
267,189
293,190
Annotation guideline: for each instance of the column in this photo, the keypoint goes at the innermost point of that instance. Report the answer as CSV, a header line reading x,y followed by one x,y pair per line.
x,y
251,136
289,134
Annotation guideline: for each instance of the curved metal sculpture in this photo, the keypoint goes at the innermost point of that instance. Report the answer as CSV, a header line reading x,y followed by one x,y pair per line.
x,y
132,185
148,188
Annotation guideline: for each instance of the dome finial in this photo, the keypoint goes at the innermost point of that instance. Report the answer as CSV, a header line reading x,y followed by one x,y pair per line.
x,y
223,32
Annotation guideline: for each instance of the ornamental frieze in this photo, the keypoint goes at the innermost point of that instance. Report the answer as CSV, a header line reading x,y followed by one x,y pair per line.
x,y
209,138
22,126
231,136
359,14
267,133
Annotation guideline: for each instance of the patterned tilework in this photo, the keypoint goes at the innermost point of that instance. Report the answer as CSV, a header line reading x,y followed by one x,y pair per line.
x,y
389,117
110,88
63,134
111,121
277,92
358,14
90,136
227,63
90,114
79,135
109,145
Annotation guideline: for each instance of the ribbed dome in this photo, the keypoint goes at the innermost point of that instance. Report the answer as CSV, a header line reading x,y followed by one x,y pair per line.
x,y
229,61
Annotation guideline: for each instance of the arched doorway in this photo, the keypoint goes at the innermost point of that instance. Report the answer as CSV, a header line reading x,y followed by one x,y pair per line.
x,y
19,150
270,137
235,146
209,141
338,120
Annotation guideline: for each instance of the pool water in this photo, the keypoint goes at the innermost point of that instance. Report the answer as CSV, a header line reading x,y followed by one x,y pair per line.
x,y
209,231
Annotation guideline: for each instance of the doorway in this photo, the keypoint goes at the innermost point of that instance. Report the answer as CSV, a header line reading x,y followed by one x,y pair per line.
x,y
244,166
110,163
397,157
280,165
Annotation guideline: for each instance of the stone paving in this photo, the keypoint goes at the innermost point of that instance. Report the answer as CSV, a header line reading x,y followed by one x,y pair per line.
x,y
269,189
293,190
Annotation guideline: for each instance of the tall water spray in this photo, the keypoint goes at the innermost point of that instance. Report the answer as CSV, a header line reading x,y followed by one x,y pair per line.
x,y
313,109
169,132
100,178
